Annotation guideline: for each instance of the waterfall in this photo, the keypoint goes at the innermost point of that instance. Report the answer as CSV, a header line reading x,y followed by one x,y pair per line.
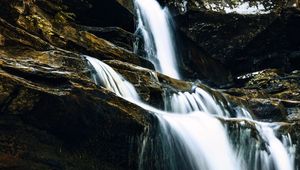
x,y
192,133
203,140
154,25
191,136
200,138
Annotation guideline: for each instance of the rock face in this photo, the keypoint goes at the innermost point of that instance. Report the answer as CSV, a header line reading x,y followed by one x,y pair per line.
x,y
180,7
271,94
244,43
52,115
49,103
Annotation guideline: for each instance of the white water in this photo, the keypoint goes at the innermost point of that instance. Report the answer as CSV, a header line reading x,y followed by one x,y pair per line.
x,y
191,137
278,152
154,25
199,101
198,136
201,136
277,155
204,139
108,78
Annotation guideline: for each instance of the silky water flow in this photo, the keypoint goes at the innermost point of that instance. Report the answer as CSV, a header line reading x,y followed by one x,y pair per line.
x,y
192,133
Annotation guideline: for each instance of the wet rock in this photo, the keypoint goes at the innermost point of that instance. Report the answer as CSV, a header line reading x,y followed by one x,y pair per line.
x,y
144,80
2,40
44,30
46,86
50,92
127,4
115,35
268,110
27,147
194,64
238,6
270,94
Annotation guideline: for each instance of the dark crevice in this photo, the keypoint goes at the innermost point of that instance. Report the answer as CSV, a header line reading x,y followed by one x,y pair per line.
x,y
101,13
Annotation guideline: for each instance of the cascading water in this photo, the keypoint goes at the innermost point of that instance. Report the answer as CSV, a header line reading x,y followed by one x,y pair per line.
x,y
191,135
277,154
154,26
198,101
199,138
108,78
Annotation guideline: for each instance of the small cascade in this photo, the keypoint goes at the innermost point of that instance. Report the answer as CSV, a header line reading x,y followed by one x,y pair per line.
x,y
275,153
266,150
279,156
200,100
105,76
153,24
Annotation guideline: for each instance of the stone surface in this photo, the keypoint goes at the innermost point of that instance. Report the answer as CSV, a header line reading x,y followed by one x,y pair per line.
x,y
194,64
54,29
49,92
180,7
115,35
271,94
245,43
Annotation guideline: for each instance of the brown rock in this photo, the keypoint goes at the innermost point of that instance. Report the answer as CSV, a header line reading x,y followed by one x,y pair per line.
x,y
44,30
271,94
49,92
2,40
127,4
